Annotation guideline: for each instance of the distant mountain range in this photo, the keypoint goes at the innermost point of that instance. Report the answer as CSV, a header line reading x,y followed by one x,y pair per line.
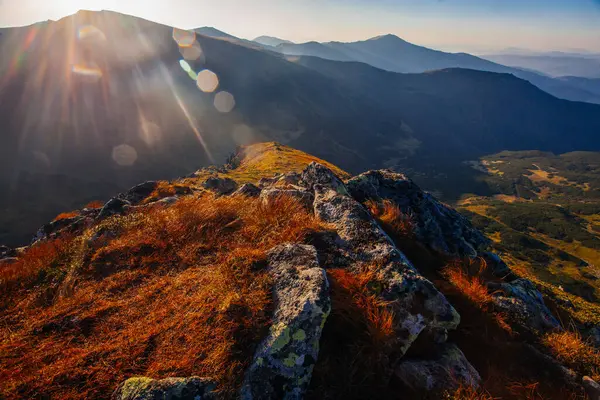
x,y
391,53
105,100
553,64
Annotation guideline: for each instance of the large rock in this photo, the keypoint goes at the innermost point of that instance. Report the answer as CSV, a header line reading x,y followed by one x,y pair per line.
x,y
222,186
114,206
592,388
138,193
283,364
524,305
419,307
142,388
437,225
447,371
248,190
7,252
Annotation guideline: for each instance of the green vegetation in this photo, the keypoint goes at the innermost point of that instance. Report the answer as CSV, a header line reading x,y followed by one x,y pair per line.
x,y
545,222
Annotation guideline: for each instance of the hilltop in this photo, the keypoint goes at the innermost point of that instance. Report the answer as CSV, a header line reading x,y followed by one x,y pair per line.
x,y
279,275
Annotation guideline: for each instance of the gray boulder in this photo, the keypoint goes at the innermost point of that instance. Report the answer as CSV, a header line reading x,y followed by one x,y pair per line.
x,y
138,193
524,305
446,372
592,388
114,206
143,388
283,364
6,252
419,306
498,267
222,186
437,225
248,190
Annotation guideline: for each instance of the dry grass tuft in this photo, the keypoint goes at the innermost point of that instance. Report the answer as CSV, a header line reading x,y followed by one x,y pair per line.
x,y
44,261
358,340
66,215
471,286
391,218
170,291
94,204
569,348
163,189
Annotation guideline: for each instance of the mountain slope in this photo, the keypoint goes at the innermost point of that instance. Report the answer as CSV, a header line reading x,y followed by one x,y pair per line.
x,y
271,41
303,286
392,53
107,98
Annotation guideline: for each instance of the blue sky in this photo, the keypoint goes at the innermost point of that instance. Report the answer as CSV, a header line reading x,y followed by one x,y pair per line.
x,y
469,25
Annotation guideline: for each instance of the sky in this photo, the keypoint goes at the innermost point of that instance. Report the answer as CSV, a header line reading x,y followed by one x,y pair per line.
x,y
477,26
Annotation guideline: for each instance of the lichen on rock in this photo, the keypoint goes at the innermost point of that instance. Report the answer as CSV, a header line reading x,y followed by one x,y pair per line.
x,y
284,361
142,388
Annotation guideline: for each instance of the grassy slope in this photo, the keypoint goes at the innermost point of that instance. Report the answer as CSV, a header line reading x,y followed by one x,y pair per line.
x,y
545,222
262,160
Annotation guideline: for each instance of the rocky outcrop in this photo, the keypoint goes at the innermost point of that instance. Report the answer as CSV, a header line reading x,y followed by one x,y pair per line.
x,y
446,372
283,364
7,252
248,190
420,308
138,193
436,225
524,305
142,388
114,206
221,186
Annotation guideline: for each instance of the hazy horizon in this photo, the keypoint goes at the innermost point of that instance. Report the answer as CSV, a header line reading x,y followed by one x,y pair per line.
x,y
455,25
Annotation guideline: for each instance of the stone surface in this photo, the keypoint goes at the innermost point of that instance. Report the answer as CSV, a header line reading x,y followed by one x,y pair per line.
x,y
419,306
498,267
6,252
248,190
447,371
222,186
114,206
524,305
592,388
142,388
436,225
283,364
138,193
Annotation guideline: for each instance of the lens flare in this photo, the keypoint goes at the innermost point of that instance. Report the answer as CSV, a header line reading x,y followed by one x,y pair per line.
x,y
207,81
90,73
224,102
90,32
124,155
192,53
184,38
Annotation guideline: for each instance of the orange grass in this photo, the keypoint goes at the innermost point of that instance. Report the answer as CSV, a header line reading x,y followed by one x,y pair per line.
x,y
470,286
180,291
66,215
569,348
94,204
357,342
391,217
